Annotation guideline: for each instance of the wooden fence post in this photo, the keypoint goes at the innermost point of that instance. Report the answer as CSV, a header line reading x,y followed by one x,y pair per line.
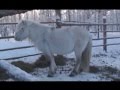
x,y
58,23
58,18
104,35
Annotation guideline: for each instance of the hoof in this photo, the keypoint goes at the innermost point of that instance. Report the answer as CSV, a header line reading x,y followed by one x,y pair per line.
x,y
51,74
84,70
73,73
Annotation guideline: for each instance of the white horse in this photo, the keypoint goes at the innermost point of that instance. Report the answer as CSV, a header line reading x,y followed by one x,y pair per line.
x,y
58,41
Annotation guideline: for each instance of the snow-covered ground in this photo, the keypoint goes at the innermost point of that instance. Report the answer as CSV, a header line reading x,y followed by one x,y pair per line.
x,y
100,59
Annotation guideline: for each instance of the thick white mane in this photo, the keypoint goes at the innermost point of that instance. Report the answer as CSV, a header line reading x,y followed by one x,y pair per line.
x,y
30,22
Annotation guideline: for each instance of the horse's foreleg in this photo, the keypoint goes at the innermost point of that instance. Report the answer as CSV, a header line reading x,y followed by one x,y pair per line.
x,y
53,66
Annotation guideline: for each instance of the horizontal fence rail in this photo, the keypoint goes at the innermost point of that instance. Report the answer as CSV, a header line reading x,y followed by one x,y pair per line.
x,y
7,37
92,39
66,23
16,48
105,31
106,38
33,45
17,23
21,56
13,58
106,45
85,24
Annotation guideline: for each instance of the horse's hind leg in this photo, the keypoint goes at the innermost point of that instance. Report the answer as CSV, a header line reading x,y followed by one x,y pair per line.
x,y
86,56
79,48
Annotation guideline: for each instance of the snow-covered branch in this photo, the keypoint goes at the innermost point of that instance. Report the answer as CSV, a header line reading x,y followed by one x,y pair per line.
x,y
16,72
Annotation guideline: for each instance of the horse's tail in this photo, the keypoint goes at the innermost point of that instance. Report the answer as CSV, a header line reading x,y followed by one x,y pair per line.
x,y
86,56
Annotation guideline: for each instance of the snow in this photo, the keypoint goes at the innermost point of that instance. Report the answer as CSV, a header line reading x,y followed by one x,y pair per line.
x,y
23,76
62,75
82,77
99,59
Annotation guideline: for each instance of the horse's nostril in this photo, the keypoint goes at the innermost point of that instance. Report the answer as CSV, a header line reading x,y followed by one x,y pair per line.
x,y
15,38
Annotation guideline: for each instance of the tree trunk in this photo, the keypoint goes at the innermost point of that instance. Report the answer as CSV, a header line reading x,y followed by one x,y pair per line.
x,y
19,17
69,17
117,20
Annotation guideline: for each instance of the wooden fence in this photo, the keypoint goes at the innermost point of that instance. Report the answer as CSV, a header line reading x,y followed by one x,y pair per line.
x,y
104,24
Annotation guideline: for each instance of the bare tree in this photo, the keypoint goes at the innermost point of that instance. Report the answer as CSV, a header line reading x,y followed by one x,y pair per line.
x,y
117,19
69,15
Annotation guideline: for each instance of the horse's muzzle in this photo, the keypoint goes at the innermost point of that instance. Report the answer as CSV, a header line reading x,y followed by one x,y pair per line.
x,y
17,39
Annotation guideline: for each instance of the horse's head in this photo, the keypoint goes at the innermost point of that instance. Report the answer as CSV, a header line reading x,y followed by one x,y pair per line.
x,y
22,31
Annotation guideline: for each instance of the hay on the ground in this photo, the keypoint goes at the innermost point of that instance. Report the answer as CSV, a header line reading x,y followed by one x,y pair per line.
x,y
42,62
24,66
